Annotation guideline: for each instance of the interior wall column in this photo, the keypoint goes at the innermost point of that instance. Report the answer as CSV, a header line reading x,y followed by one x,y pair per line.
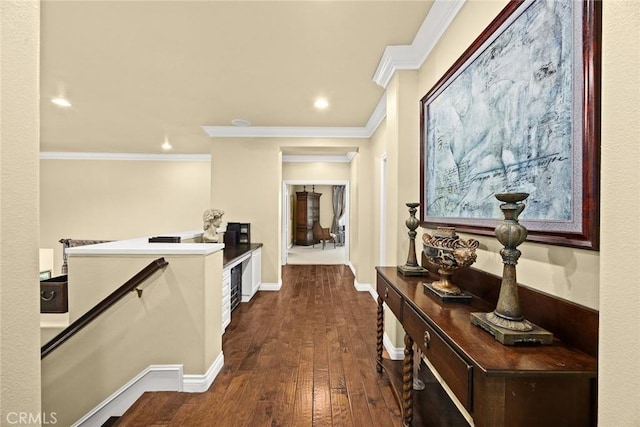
x,y
19,212
246,183
403,171
403,159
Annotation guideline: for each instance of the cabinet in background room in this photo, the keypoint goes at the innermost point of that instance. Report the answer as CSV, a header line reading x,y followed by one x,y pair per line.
x,y
307,212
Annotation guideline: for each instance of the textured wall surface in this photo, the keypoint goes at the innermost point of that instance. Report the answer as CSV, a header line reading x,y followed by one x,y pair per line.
x,y
19,135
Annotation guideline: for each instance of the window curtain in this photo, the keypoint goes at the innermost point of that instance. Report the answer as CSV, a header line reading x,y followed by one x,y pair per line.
x,y
338,206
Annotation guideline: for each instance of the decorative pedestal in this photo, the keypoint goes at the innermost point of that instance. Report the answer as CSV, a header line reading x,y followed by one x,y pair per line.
x,y
506,323
536,335
446,297
412,268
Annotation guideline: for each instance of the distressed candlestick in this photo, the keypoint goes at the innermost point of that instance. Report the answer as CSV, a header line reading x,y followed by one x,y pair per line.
x,y
412,268
506,323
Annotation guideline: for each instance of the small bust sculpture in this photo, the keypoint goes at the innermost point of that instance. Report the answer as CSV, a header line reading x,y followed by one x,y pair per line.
x,y
212,218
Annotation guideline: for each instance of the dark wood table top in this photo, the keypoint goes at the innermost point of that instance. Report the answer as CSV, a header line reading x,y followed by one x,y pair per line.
x,y
452,321
230,254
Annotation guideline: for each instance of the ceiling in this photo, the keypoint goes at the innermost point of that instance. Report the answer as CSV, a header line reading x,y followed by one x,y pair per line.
x,y
140,72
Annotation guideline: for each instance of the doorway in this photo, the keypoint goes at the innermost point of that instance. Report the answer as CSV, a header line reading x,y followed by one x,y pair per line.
x,y
293,253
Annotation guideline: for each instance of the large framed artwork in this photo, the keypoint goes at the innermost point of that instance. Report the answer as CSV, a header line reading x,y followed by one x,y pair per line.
x,y
519,111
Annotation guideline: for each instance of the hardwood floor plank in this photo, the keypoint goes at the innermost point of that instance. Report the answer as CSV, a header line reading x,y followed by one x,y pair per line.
x,y
340,408
303,356
321,398
303,403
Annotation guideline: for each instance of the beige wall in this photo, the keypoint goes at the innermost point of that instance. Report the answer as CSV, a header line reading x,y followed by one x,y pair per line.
x,y
119,199
176,321
569,273
619,378
316,171
246,182
19,144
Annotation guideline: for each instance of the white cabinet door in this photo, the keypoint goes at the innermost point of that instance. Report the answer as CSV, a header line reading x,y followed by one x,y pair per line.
x,y
256,267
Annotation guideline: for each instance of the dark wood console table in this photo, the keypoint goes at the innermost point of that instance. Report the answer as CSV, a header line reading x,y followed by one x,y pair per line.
x,y
498,385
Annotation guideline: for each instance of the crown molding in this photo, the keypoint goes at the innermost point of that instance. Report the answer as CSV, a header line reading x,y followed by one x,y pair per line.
x,y
394,58
285,132
377,116
61,155
314,158
413,56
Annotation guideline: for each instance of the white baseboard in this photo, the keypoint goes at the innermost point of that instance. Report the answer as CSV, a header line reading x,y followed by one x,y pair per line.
x,y
270,286
395,353
201,383
366,287
361,287
153,378
353,269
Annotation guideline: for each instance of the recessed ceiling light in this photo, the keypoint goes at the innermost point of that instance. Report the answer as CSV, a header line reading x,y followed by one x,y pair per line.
x,y
166,145
240,122
321,103
61,102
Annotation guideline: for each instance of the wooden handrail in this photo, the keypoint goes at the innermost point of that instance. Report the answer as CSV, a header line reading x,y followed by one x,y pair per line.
x,y
102,306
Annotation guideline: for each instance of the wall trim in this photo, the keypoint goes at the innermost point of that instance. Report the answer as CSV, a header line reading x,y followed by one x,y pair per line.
x,y
411,57
365,287
395,353
270,286
61,155
152,378
394,58
313,158
201,383
353,270
286,132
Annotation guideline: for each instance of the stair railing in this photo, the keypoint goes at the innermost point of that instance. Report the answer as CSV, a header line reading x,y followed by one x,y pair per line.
x,y
102,306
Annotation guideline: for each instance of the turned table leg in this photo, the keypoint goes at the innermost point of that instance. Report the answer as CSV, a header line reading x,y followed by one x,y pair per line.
x,y
380,332
407,381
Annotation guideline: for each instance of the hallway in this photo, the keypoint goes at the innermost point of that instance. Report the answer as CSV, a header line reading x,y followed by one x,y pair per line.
x,y
309,255
303,356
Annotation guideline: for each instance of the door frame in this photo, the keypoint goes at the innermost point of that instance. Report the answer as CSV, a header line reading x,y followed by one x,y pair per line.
x,y
285,219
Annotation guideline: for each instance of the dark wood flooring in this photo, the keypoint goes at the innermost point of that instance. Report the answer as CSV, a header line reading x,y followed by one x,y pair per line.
x,y
303,356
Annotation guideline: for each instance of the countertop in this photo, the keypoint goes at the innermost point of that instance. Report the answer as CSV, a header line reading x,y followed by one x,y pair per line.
x,y
141,246
231,254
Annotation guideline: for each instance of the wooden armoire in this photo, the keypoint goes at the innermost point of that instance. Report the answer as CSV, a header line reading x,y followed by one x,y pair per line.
x,y
307,212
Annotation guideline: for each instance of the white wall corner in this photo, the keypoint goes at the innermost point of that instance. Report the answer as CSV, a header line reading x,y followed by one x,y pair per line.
x,y
270,286
201,383
395,353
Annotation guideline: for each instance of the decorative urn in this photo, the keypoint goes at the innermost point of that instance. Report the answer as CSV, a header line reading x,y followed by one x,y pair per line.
x,y
447,252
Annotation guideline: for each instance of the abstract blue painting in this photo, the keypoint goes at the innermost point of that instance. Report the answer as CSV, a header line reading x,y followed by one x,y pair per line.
x,y
504,122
